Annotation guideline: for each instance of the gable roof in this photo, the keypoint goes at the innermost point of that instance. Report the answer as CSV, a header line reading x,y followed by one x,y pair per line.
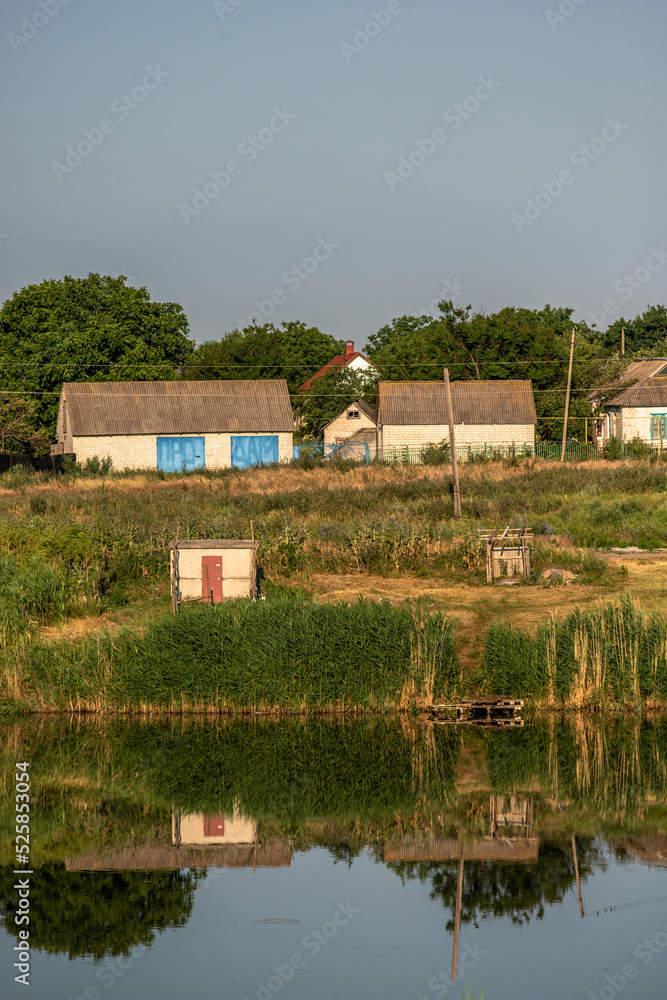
x,y
110,408
409,403
339,361
650,385
359,404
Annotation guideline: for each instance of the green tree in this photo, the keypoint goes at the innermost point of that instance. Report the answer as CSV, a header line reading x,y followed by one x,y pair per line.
x,y
292,351
18,431
329,395
98,913
78,329
510,344
643,334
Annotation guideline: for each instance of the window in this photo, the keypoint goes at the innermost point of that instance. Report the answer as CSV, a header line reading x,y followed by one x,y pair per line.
x,y
353,415
658,426
180,454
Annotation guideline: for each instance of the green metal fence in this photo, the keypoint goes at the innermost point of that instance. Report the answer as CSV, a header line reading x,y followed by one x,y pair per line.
x,y
575,451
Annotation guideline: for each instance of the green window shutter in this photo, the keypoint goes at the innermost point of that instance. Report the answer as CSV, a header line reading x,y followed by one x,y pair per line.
x,y
655,429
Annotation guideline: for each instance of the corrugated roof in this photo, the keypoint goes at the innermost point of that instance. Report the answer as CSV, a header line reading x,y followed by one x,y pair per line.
x,y
647,390
409,403
109,408
367,410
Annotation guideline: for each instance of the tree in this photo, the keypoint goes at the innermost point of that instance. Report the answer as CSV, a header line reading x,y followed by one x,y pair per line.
x,y
510,344
18,426
292,351
329,394
96,328
643,334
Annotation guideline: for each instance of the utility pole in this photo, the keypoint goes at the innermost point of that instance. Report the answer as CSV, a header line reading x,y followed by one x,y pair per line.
x,y
567,398
623,341
452,446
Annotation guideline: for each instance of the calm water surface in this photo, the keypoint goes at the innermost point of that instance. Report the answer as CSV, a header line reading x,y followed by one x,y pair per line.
x,y
326,860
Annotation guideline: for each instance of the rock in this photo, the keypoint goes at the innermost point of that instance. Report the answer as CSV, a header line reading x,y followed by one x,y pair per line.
x,y
556,573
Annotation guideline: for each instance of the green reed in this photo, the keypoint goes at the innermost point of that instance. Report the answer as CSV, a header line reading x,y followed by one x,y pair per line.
x,y
279,653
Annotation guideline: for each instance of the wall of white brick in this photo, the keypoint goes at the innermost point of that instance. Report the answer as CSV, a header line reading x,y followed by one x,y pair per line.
x,y
139,451
344,427
417,435
635,421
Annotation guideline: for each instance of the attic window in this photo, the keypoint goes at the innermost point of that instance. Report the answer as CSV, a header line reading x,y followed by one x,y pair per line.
x,y
353,414
662,373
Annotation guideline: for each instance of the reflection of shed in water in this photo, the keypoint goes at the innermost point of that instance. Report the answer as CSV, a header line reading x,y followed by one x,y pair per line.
x,y
214,840
206,829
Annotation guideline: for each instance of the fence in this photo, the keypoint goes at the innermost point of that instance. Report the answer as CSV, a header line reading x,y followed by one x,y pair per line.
x,y
48,463
358,450
575,451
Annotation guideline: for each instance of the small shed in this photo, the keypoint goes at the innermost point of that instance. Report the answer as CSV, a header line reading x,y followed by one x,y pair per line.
x,y
210,570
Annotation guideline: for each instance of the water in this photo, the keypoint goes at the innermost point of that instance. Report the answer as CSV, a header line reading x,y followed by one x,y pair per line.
x,y
252,860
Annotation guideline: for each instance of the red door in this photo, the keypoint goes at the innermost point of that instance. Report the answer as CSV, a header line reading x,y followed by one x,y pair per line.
x,y
214,826
211,578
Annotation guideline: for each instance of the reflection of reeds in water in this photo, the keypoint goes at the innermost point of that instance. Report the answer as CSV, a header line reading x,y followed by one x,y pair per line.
x,y
615,653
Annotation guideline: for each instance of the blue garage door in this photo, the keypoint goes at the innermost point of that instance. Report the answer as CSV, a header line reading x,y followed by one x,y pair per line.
x,y
182,454
247,451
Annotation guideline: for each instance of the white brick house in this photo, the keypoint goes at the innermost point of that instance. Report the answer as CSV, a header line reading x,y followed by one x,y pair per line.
x,y
639,411
413,414
176,425
356,424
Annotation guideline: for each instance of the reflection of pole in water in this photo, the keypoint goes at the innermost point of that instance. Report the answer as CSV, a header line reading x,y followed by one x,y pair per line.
x,y
576,873
457,917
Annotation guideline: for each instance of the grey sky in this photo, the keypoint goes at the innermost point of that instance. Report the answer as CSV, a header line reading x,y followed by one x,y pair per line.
x,y
328,178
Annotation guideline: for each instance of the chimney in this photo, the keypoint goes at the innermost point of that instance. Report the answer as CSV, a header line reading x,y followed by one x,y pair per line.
x,y
349,348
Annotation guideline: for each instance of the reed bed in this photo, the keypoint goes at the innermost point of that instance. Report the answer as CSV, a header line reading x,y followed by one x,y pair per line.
x,y
282,654
616,654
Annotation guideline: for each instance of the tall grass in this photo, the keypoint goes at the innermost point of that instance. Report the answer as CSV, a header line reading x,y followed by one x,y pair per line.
x,y
31,595
615,654
281,653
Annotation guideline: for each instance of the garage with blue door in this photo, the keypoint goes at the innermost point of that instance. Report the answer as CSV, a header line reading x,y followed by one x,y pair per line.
x,y
255,450
180,454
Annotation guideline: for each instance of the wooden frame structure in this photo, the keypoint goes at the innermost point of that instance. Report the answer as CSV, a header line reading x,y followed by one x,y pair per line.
x,y
507,555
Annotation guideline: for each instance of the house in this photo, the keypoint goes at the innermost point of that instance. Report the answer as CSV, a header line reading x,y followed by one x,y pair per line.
x,y
356,425
639,410
497,414
353,360
176,426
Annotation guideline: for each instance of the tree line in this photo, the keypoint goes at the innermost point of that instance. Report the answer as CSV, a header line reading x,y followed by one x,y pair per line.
x,y
100,328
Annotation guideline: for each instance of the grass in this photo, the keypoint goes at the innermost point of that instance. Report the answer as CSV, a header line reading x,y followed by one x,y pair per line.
x,y
615,654
285,653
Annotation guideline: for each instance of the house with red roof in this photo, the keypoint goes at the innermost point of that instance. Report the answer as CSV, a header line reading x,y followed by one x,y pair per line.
x,y
354,360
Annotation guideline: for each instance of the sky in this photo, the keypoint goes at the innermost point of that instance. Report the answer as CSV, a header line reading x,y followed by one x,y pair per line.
x,y
340,162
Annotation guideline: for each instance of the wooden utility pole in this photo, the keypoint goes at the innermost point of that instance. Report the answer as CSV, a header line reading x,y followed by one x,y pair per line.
x,y
623,341
452,446
567,398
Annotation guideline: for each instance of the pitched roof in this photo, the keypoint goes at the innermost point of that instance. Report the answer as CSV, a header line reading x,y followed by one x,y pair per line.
x,y
109,408
649,384
409,403
359,404
339,361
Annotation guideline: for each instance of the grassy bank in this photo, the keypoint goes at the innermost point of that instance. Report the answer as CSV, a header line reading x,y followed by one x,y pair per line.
x,y
106,539
283,654
616,654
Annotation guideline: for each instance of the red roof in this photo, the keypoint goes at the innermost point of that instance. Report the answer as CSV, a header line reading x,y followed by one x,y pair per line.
x,y
340,361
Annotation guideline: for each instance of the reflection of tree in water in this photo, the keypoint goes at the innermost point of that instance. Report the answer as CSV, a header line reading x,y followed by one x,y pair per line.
x,y
98,913
499,889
